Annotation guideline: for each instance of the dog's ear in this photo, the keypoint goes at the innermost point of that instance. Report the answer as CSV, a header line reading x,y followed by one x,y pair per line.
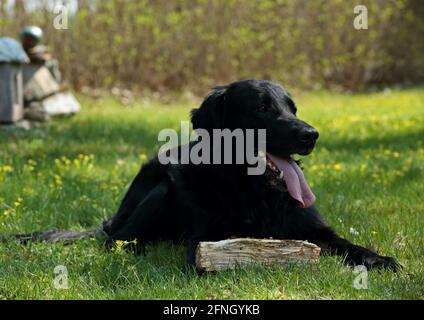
x,y
211,113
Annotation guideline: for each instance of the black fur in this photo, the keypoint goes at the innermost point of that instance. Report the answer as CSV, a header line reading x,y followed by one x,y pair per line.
x,y
192,203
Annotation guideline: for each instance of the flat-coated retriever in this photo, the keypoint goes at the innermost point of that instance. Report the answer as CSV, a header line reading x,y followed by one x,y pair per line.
x,y
209,202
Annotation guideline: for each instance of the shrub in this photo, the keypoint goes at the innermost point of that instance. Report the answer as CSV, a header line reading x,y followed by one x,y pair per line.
x,y
160,44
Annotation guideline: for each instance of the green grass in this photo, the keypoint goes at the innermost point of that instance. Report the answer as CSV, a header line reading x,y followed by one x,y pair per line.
x,y
367,172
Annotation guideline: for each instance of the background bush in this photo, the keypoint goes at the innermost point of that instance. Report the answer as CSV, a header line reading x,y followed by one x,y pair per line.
x,y
180,44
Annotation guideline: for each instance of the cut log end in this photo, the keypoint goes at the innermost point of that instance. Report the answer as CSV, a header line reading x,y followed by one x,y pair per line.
x,y
226,254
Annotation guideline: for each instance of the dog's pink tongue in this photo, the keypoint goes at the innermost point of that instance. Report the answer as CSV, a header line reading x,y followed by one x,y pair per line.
x,y
295,180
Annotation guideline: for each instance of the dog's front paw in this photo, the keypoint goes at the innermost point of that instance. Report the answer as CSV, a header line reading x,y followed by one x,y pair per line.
x,y
376,262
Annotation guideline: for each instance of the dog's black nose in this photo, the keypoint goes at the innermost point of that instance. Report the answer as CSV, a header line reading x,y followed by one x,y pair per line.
x,y
309,134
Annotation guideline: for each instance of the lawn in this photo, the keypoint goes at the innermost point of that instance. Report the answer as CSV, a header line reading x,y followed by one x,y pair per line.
x,y
367,172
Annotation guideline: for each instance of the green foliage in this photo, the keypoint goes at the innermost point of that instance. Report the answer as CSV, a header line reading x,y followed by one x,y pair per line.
x,y
158,44
366,171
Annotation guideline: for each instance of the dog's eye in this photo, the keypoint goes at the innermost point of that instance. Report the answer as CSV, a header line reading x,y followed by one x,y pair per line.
x,y
261,109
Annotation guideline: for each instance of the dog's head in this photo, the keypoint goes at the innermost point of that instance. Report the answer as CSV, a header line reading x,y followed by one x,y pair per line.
x,y
258,104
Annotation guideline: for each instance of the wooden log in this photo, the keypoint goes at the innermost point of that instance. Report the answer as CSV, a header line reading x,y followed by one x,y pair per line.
x,y
226,254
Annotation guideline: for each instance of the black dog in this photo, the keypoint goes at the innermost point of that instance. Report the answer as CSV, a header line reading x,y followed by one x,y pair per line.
x,y
209,202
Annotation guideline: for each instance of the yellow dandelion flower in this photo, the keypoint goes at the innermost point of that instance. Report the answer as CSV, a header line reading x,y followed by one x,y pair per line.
x,y
396,154
7,168
338,166
58,180
314,167
6,213
143,157
120,243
